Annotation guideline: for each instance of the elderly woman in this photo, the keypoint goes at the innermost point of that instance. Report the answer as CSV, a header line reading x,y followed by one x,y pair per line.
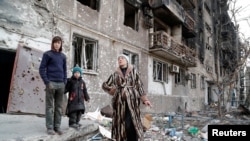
x,y
127,90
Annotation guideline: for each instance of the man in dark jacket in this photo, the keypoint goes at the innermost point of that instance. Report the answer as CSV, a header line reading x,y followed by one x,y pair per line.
x,y
53,71
77,94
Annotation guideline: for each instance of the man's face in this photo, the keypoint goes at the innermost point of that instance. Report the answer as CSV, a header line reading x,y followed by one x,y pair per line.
x,y
122,61
57,45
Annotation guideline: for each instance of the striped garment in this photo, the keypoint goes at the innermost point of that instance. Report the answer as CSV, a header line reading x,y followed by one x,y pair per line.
x,y
127,89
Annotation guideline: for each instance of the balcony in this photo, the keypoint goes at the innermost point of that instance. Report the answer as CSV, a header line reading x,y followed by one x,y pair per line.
x,y
165,46
169,11
226,32
135,3
226,46
189,26
188,4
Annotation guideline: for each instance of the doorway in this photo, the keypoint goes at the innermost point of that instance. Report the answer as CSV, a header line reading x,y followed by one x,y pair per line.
x,y
7,59
209,97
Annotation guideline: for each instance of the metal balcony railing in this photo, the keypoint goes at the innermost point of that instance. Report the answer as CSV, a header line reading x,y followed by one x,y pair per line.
x,y
189,22
164,8
188,4
161,40
190,54
226,45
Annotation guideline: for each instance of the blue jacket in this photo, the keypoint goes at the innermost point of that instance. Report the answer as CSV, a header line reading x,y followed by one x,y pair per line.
x,y
53,67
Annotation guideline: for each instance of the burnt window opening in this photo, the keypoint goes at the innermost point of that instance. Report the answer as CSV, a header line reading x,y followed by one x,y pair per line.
x,y
148,16
208,27
209,69
207,7
193,80
203,82
131,16
208,47
201,37
160,71
200,13
85,53
94,4
180,77
133,58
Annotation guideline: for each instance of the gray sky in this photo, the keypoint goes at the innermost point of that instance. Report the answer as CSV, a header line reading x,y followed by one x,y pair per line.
x,y
243,17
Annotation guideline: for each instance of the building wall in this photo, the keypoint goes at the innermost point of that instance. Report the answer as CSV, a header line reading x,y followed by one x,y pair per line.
x,y
35,22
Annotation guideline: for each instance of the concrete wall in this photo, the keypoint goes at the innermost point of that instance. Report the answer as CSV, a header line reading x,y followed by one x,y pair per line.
x,y
35,22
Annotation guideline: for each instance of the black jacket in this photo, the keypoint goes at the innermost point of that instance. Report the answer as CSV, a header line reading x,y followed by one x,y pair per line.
x,y
77,94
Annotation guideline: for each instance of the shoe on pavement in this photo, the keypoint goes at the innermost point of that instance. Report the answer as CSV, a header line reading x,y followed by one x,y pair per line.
x,y
79,124
74,126
58,131
51,132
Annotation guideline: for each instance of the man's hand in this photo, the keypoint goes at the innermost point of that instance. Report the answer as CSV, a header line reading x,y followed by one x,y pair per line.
x,y
50,86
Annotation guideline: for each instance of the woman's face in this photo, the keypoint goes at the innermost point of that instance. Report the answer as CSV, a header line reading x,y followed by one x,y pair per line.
x,y
122,61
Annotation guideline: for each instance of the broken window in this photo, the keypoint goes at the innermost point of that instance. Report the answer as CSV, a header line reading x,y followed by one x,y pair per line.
x,y
202,82
94,4
208,47
208,27
133,58
193,80
180,77
207,7
200,12
201,36
160,71
131,16
209,69
148,17
85,52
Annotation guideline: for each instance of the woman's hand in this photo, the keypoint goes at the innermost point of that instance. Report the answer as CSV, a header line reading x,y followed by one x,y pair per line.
x,y
148,103
112,91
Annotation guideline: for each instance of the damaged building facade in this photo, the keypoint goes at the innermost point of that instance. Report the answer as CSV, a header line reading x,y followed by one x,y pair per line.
x,y
175,44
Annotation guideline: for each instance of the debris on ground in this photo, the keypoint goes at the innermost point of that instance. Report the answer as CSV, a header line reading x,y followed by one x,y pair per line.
x,y
184,126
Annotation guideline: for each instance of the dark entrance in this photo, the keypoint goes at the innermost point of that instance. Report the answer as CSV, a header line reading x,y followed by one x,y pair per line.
x,y
7,59
209,97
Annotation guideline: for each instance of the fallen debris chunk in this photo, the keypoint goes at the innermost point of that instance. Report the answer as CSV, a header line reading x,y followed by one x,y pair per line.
x,y
107,111
106,133
146,121
243,110
97,136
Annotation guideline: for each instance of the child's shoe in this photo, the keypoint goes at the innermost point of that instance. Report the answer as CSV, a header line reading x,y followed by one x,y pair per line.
x,y
79,124
75,126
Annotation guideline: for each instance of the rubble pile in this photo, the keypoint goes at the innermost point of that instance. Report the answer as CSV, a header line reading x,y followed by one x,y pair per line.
x,y
185,126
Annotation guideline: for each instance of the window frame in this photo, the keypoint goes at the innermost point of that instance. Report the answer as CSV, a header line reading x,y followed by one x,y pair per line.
x,y
90,4
180,77
193,80
81,58
128,11
164,71
202,85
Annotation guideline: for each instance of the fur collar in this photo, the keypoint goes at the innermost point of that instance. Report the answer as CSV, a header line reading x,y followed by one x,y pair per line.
x,y
129,69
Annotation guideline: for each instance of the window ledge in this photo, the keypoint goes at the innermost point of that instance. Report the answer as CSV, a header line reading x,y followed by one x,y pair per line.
x,y
90,72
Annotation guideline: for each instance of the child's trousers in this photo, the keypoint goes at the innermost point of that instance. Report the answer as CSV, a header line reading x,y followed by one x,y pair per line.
x,y
75,117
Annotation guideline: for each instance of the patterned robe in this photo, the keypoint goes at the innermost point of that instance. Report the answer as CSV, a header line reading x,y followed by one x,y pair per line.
x,y
127,89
